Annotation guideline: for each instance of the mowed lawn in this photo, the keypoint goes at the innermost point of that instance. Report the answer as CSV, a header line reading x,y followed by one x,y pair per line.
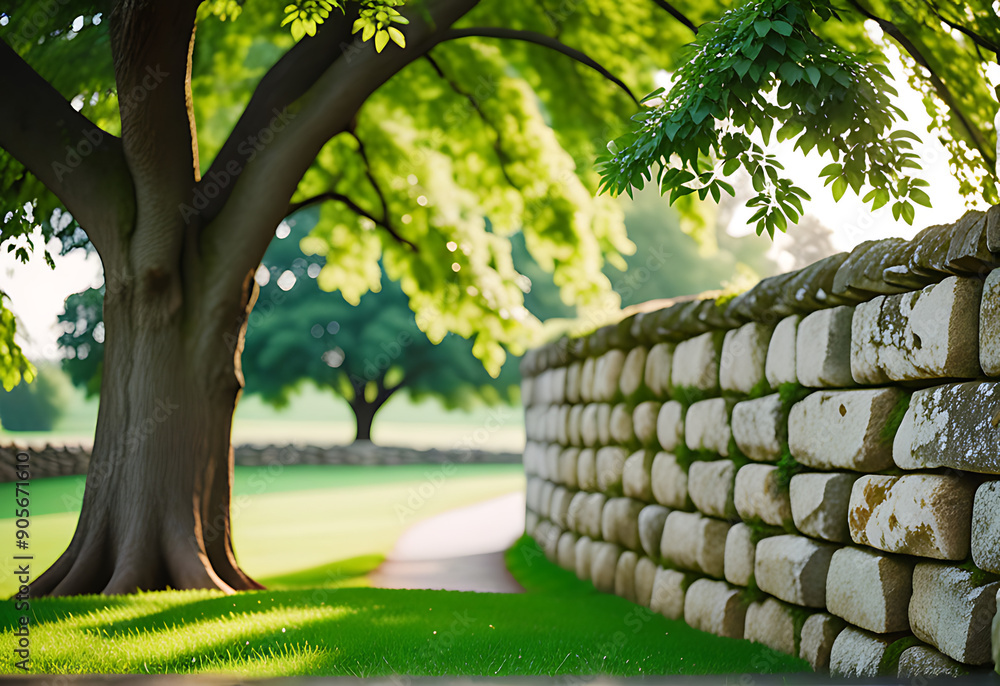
x,y
311,534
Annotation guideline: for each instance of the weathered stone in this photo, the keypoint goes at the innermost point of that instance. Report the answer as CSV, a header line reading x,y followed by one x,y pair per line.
x,y
633,371
531,520
989,324
574,425
996,634
823,348
567,466
819,632
621,425
547,535
610,462
931,250
695,542
620,522
669,589
588,425
557,385
968,249
603,564
710,485
927,334
575,512
793,568
625,575
759,495
670,425
645,575
644,421
862,271
924,661
607,374
696,363
706,425
636,479
586,469
951,426
739,555
603,424
843,429
562,425
659,363
552,424
591,515
550,469
566,550
820,502
760,428
951,610
582,555
715,607
587,379
546,490
528,395
993,229
869,590
858,653
771,623
927,515
669,482
986,527
744,352
779,367
559,506
651,521
574,375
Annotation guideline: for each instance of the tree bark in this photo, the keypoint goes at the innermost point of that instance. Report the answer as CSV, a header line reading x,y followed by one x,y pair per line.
x,y
365,411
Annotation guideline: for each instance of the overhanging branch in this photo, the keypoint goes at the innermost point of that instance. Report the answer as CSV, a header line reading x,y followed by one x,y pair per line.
x,y
353,207
538,39
677,14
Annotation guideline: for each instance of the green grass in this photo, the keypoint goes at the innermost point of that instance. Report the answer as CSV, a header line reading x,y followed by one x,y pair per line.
x,y
560,626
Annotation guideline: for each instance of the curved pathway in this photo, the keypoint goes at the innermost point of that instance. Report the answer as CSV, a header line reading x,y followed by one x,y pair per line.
x,y
459,550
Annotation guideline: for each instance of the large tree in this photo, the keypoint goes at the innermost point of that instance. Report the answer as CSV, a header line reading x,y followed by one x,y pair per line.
x,y
178,158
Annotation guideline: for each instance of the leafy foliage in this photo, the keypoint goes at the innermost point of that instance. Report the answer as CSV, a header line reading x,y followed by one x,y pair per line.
x,y
759,66
14,366
35,406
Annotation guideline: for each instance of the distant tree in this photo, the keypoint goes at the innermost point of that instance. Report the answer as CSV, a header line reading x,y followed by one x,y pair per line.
x,y
36,406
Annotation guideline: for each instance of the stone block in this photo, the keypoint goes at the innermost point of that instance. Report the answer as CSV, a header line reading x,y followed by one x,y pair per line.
x,y
760,428
644,421
603,565
603,424
710,485
610,463
927,515
588,425
695,542
670,425
562,425
620,522
607,374
621,425
928,334
574,425
659,363
759,495
559,506
953,611
591,515
859,653
625,576
823,348
566,550
772,623
706,425
843,429
996,635
574,375
586,469
989,325
547,536
924,661
528,395
715,607
651,521
820,502
552,416
582,555
645,575
633,371
951,426
587,379
545,491
550,469
986,527
669,482
870,590
669,589
739,555
696,363
779,366
744,352
557,385
793,568
636,475
567,466
819,632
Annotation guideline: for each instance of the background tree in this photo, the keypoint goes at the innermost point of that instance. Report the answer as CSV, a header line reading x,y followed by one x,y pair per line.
x,y
36,406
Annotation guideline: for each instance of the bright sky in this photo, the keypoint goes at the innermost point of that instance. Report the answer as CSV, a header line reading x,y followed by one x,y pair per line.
x,y
37,292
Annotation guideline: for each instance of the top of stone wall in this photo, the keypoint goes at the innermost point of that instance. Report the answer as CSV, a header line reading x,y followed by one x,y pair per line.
x,y
969,247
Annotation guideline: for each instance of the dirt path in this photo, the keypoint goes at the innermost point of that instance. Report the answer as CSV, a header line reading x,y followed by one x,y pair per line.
x,y
459,550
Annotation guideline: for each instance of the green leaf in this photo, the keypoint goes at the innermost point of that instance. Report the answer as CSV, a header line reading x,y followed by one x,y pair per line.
x,y
814,75
839,187
397,36
782,27
381,39
762,26
919,197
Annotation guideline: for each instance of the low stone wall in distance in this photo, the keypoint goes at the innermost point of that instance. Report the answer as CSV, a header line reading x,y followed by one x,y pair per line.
x,y
49,461
811,465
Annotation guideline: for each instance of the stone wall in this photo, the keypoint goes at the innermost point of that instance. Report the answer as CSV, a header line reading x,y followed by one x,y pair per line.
x,y
811,465
47,460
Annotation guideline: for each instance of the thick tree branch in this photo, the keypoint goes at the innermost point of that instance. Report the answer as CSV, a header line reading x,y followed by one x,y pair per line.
x,y
980,40
677,14
81,164
538,39
940,87
354,207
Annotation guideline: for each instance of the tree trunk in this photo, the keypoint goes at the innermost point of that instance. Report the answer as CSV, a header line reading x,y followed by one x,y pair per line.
x,y
157,500
364,411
